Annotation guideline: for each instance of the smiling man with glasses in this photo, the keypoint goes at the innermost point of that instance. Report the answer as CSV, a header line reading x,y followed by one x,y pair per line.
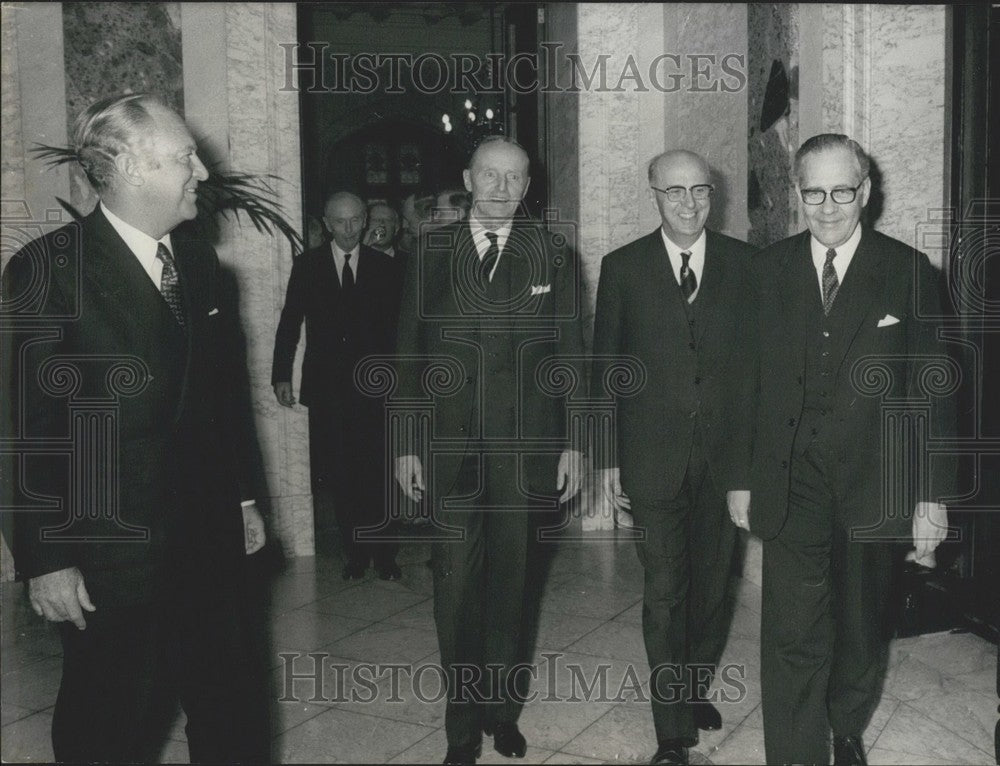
x,y
837,302
678,299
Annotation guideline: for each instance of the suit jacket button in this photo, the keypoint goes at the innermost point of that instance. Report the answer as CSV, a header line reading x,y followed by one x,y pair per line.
x,y
462,429
469,379
791,421
784,464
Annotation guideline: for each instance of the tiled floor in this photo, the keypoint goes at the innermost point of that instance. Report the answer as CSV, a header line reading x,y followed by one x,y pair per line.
x,y
938,703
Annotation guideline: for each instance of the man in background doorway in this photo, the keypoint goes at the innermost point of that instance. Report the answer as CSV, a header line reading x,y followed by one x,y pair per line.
x,y
348,295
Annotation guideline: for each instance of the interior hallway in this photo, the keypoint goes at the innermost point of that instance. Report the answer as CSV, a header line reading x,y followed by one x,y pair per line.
x,y
938,704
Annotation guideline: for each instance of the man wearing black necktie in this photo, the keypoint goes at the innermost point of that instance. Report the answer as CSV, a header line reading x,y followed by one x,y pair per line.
x,y
489,301
847,325
348,295
135,542
677,300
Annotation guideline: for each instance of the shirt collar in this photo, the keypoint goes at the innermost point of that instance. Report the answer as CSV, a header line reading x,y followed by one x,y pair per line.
x,y
674,250
482,241
845,253
341,254
846,249
139,242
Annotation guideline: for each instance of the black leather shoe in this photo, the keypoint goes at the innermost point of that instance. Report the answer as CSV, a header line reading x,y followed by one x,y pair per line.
x,y
707,716
354,570
671,751
389,571
464,753
848,751
507,739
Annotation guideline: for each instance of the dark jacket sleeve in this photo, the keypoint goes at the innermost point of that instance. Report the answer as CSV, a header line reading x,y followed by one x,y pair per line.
x,y
937,382
409,350
286,338
607,348
742,393
33,481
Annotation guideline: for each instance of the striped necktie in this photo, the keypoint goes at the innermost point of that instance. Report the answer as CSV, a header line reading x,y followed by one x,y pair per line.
x,y
830,282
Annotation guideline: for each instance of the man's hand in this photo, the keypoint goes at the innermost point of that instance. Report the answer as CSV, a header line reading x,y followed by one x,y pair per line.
x,y
930,525
410,475
738,502
60,595
609,481
254,534
569,474
283,391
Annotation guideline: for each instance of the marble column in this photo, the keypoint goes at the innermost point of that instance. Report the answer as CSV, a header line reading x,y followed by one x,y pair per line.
x,y
233,74
33,111
884,78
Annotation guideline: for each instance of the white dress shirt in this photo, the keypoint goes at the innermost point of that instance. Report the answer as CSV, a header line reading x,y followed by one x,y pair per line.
x,y
142,245
844,255
696,263
482,242
340,258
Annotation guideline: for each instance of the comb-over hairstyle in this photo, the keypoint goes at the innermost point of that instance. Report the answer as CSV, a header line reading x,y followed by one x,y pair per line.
x,y
831,141
106,129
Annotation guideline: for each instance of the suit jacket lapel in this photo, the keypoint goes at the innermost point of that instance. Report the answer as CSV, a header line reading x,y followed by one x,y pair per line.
x,y
662,275
712,285
799,292
121,281
128,293
861,287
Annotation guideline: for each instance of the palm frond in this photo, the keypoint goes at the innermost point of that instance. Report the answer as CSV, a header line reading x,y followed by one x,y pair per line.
x,y
53,155
231,194
227,194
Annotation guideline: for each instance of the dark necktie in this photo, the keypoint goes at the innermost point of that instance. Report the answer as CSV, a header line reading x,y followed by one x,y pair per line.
x,y
689,282
830,282
490,259
347,278
170,287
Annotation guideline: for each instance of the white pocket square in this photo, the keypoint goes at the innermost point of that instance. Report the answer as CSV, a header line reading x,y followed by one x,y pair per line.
x,y
539,289
887,321
213,312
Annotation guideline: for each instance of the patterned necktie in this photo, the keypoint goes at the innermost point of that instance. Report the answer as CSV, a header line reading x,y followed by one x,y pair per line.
x,y
489,261
347,278
830,282
689,282
170,287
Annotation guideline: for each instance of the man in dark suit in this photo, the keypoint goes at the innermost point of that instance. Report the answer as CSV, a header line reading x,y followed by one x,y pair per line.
x,y
138,547
493,301
676,300
847,334
348,295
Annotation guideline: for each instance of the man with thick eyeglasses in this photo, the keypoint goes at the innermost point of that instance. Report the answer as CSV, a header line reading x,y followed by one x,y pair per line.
x,y
838,303
678,300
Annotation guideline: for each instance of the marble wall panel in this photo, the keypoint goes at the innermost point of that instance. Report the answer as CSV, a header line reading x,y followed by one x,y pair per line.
x,y
885,82
772,31
113,48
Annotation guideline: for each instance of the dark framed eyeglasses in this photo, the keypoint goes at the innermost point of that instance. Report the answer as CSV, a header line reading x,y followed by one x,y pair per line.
x,y
676,193
840,196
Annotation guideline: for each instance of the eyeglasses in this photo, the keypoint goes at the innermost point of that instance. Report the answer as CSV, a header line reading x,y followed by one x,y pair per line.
x,y
676,193
840,196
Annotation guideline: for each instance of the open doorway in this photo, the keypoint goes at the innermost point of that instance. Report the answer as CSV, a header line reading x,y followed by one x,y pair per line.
x,y
401,92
